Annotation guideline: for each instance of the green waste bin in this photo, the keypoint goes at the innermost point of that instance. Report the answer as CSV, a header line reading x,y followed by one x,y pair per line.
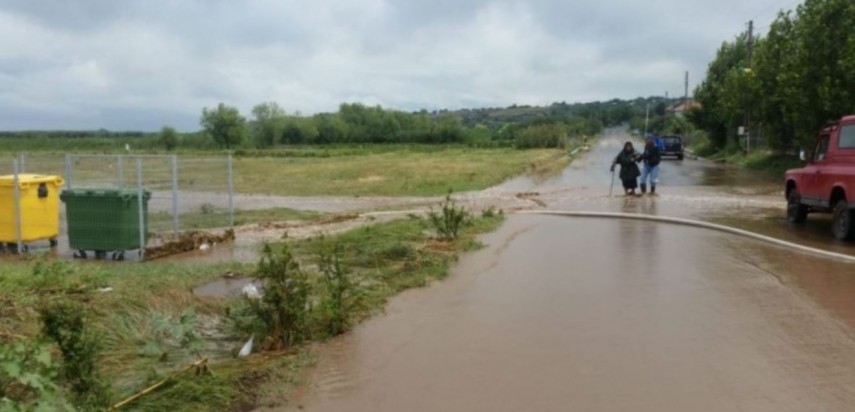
x,y
105,220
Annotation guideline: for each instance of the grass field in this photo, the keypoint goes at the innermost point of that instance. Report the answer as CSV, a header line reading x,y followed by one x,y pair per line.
x,y
403,172
379,170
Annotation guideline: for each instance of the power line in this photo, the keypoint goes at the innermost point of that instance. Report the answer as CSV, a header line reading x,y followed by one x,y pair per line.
x,y
778,4
775,4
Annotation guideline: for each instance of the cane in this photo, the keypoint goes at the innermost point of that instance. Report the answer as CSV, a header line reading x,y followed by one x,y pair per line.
x,y
611,188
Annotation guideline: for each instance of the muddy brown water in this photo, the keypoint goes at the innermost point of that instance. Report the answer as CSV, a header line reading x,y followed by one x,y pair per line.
x,y
562,313
605,315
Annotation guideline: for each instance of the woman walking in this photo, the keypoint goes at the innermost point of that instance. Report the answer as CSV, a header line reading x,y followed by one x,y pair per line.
x,y
628,169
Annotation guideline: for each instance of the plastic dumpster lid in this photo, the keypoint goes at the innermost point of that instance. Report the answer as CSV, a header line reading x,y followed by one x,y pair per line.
x,y
26,179
125,194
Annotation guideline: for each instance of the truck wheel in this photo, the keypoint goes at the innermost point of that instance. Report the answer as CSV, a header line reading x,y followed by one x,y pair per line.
x,y
796,211
843,225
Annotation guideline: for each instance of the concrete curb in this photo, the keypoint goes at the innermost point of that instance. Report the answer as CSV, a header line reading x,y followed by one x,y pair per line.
x,y
698,224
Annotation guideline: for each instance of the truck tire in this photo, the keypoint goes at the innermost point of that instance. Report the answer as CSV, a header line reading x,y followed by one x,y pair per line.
x,y
843,224
796,211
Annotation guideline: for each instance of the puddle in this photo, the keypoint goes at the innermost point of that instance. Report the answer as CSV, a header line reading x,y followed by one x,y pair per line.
x,y
228,286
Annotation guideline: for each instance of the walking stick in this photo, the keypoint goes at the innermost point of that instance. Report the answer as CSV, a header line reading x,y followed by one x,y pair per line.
x,y
611,188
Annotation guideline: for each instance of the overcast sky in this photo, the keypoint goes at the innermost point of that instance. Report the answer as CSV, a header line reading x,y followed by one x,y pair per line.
x,y
139,65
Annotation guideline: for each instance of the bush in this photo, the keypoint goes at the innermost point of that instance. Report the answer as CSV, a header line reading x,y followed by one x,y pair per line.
x,y
168,138
284,306
449,220
540,136
65,323
342,296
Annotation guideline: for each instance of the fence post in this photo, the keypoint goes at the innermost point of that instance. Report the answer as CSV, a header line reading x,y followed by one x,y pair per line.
x,y
175,221
140,201
22,165
16,189
120,170
231,193
68,171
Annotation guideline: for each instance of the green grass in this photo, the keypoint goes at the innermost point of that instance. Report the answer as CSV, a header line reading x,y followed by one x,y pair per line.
x,y
403,172
377,170
762,161
151,325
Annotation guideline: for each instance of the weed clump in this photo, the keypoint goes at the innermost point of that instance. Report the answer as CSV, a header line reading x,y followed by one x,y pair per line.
x,y
449,220
65,323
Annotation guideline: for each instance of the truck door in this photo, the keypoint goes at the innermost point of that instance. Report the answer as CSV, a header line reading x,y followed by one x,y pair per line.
x,y
813,193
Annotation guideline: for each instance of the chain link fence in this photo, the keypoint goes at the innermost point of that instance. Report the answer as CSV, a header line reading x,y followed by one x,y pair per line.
x,y
105,205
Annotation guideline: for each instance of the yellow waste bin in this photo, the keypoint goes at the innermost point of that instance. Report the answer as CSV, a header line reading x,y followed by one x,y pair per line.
x,y
39,208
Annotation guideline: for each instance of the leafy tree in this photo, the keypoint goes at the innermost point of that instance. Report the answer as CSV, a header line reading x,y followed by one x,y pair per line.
x,y
168,138
224,125
268,123
803,75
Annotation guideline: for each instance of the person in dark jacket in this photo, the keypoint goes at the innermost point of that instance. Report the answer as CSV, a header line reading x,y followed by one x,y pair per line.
x,y
650,171
627,159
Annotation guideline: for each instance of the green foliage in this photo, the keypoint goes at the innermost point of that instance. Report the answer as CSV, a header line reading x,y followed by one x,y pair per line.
x,y
27,379
342,295
168,138
449,220
802,76
268,124
541,136
224,125
65,324
284,306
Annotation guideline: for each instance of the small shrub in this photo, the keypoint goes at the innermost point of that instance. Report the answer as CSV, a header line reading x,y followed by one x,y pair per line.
x,y
283,309
65,323
449,220
342,296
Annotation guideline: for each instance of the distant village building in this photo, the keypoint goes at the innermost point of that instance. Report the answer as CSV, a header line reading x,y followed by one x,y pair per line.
x,y
680,109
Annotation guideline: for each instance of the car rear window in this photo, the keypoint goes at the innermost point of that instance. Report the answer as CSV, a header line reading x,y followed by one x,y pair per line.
x,y
847,137
672,140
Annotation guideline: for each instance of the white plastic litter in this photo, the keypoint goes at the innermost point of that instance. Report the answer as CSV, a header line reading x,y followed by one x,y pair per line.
x,y
105,290
251,292
204,247
247,348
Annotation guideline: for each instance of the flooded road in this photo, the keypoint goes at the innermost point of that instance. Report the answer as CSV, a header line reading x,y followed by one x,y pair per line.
x,y
576,314
603,315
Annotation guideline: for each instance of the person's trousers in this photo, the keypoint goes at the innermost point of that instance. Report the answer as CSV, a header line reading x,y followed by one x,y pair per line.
x,y
650,173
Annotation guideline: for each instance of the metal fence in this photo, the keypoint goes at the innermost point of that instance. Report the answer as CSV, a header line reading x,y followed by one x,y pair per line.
x,y
96,201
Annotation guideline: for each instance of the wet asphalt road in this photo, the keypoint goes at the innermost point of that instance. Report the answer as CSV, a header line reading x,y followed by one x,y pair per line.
x,y
570,314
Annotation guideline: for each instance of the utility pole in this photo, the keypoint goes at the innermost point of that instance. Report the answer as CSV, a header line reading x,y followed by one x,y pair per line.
x,y
646,119
750,66
750,42
686,95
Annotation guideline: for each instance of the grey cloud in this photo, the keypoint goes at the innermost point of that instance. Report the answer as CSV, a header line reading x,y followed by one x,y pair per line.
x,y
129,65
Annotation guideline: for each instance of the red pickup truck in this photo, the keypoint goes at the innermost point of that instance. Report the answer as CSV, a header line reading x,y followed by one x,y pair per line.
x,y
827,183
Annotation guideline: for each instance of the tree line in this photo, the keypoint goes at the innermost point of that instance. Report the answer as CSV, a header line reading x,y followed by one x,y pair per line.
x,y
270,126
800,76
